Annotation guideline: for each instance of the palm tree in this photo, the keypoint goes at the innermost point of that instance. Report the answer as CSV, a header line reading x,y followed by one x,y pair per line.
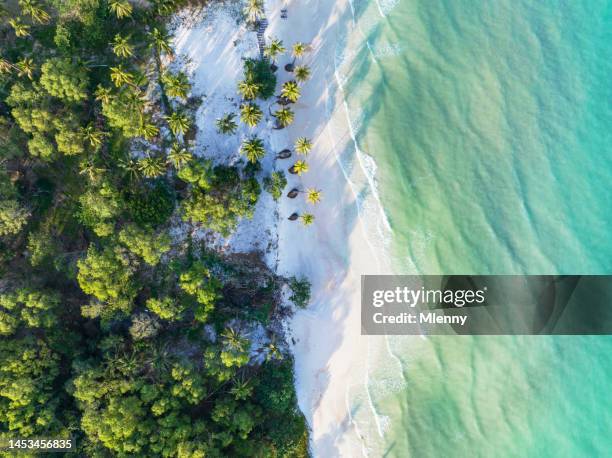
x,y
299,167
274,49
93,136
131,167
179,123
298,51
250,114
148,130
176,85
248,90
284,117
254,10
313,196
290,91
103,94
307,219
5,66
160,40
121,8
26,67
179,156
273,352
241,390
226,124
303,145
122,47
119,76
33,9
253,149
93,173
21,30
233,341
302,73
152,167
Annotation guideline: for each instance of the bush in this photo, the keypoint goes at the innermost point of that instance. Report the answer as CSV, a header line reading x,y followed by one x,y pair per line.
x,y
275,184
151,206
300,290
258,71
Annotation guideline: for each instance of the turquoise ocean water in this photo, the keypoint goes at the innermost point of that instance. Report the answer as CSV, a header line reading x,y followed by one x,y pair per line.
x,y
490,123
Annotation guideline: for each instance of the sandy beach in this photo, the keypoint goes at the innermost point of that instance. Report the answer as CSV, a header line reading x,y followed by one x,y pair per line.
x,y
332,253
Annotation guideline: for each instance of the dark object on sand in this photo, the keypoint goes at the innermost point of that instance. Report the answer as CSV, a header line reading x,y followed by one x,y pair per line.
x,y
289,67
284,13
293,193
292,170
293,217
284,154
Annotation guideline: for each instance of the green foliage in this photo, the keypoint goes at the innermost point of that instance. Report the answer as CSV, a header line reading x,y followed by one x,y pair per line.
x,y
228,199
98,337
123,112
151,205
198,282
107,275
300,291
41,247
100,207
275,183
13,217
64,80
144,243
27,374
144,326
258,71
166,308
27,307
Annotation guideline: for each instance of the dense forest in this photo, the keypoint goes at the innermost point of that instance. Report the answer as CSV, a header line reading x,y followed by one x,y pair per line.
x,y
114,331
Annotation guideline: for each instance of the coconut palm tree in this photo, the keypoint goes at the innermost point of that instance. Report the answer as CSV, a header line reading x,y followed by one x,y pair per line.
x,y
89,168
33,9
254,10
271,51
148,130
284,117
21,29
313,196
226,124
26,67
179,123
176,85
232,340
241,390
160,41
299,168
119,76
122,47
303,145
152,167
298,51
93,135
5,66
121,8
179,156
131,168
253,149
250,114
302,73
290,91
248,90
103,94
307,219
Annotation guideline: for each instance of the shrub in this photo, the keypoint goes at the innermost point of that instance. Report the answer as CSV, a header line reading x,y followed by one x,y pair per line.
x,y
258,71
300,290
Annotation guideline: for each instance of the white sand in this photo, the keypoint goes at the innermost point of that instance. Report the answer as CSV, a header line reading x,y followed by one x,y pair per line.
x,y
331,356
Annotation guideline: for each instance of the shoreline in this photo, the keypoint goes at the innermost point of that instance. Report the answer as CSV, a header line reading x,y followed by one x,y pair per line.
x,y
333,252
